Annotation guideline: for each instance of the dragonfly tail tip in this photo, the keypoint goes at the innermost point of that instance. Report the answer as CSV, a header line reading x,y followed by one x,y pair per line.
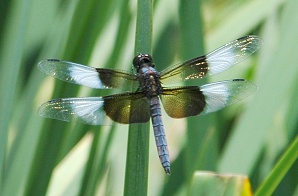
x,y
168,171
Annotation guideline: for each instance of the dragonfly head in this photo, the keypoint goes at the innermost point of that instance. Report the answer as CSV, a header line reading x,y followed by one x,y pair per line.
x,y
142,60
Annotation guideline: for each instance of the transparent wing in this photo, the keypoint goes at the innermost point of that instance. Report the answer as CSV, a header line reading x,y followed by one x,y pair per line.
x,y
85,75
121,108
182,102
221,94
232,53
86,110
213,63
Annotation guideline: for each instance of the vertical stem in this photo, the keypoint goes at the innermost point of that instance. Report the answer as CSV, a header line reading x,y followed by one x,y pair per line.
x,y
136,176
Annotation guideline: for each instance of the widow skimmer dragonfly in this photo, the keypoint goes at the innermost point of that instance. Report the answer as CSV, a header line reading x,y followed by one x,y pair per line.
x,y
144,103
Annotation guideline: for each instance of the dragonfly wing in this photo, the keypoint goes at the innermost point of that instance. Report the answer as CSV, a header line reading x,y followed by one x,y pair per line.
x,y
182,102
213,63
86,110
232,53
87,76
122,108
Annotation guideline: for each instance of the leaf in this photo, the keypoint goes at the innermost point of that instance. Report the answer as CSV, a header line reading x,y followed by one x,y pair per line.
x,y
209,183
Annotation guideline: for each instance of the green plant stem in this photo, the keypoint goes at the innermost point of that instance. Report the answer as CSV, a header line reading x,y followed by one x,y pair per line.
x,y
136,176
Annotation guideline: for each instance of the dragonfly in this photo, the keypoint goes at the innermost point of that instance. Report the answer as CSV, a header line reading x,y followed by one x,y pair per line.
x,y
141,104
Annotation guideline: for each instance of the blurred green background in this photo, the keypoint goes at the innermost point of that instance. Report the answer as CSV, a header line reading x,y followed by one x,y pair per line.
x,y
41,156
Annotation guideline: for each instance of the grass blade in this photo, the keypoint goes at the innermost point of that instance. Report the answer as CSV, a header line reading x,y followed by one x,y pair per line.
x,y
11,60
280,169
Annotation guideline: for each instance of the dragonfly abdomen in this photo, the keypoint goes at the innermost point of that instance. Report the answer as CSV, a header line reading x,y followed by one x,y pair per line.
x,y
159,134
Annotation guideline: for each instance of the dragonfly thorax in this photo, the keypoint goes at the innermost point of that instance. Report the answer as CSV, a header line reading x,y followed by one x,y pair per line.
x,y
150,81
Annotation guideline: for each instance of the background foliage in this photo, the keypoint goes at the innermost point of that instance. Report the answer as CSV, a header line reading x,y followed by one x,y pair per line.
x,y
42,156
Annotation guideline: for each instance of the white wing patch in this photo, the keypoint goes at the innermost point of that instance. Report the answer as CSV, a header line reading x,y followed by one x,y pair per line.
x,y
71,72
220,94
84,75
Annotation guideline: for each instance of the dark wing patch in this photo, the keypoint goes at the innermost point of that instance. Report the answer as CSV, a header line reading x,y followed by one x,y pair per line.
x,y
192,69
127,108
182,102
